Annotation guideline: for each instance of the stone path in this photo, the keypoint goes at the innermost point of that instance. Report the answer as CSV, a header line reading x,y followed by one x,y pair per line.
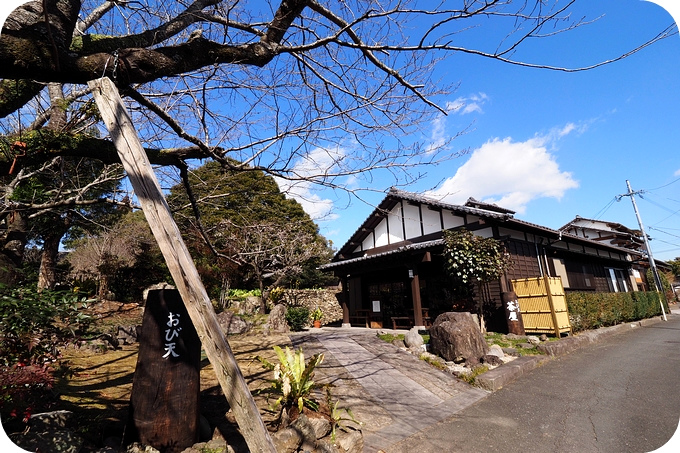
x,y
392,391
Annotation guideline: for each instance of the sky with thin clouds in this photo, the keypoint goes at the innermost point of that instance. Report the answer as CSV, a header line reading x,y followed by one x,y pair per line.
x,y
552,145
549,145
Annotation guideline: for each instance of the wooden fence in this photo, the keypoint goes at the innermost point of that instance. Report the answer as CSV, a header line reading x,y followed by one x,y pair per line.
x,y
543,305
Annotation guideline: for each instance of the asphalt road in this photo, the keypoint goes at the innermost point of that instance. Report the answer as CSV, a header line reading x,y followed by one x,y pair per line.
x,y
619,395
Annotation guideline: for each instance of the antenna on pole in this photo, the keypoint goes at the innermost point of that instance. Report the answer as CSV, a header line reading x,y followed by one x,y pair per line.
x,y
652,264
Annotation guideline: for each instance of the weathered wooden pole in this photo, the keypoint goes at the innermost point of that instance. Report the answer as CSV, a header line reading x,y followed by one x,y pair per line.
x,y
180,264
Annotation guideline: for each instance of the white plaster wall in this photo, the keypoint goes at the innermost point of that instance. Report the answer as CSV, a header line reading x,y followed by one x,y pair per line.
x,y
368,243
485,233
394,219
412,220
431,221
381,234
452,220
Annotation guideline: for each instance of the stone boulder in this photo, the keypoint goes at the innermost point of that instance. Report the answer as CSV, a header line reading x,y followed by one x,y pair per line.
x,y
496,350
455,337
492,360
277,320
128,334
412,339
248,306
232,324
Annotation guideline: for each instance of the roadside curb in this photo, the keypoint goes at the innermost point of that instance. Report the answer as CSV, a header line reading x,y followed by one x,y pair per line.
x,y
498,377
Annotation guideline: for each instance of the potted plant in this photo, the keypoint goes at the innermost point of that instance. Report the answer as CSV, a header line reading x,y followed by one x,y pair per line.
x,y
316,317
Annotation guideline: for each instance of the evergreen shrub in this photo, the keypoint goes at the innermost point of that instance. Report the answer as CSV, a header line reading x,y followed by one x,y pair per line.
x,y
297,318
593,310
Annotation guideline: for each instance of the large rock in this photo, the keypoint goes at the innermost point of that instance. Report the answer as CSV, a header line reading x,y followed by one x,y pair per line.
x,y
457,338
277,320
232,324
248,306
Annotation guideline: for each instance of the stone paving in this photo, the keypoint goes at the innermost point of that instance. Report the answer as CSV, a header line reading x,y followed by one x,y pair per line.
x,y
392,391
397,395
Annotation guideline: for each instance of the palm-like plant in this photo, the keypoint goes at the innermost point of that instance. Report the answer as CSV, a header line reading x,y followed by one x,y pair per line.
x,y
293,378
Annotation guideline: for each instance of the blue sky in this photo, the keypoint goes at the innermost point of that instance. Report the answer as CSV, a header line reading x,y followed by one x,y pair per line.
x,y
552,145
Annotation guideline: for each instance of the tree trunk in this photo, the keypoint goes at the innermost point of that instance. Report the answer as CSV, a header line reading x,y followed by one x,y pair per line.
x,y
47,277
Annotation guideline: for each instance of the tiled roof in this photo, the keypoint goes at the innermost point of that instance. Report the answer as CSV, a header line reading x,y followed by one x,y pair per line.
x,y
402,249
394,195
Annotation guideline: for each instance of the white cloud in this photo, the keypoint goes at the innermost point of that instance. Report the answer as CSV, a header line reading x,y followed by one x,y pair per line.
x,y
469,104
314,164
677,173
509,173
460,106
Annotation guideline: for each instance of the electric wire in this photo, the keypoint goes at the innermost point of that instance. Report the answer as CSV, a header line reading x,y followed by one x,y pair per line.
x,y
666,185
605,209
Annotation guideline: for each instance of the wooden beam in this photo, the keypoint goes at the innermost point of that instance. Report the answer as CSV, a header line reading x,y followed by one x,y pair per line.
x,y
180,264
415,296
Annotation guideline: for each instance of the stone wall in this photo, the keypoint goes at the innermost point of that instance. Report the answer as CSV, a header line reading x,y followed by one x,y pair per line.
x,y
325,299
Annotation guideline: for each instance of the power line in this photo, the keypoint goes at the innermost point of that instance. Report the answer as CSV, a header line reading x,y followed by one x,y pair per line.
x,y
666,185
603,210
661,230
658,205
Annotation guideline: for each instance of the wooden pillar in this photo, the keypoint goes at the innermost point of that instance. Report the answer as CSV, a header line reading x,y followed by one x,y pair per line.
x,y
415,295
344,301
164,405
180,264
513,315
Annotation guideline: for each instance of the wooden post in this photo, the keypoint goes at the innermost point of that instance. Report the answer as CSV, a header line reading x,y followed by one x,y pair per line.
x,y
164,405
415,295
553,313
344,302
180,264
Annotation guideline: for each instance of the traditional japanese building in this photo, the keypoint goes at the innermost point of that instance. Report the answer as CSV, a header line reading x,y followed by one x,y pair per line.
x,y
392,267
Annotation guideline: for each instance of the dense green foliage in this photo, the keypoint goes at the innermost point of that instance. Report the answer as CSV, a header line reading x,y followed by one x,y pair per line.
x,y
33,324
593,310
67,199
256,231
665,283
297,318
675,265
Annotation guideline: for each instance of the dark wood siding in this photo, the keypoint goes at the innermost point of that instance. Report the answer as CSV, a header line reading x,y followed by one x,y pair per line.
x,y
524,260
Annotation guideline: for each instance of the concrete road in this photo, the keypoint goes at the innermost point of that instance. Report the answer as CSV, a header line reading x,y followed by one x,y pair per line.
x,y
619,395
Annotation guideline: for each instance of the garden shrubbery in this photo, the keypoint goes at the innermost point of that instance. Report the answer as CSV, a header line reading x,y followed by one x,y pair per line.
x,y
297,318
33,325
593,310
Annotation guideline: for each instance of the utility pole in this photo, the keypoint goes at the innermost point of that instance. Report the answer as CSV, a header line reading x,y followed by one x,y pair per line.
x,y
652,264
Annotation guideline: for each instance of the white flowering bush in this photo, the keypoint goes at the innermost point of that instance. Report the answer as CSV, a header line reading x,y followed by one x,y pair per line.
x,y
474,259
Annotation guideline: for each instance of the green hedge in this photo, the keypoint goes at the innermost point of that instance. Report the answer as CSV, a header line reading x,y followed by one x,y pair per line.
x,y
593,310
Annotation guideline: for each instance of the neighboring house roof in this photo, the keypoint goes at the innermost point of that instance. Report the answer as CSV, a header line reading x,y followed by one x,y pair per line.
x,y
346,254
614,232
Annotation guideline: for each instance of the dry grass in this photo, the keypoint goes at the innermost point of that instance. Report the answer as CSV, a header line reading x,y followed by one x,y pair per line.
x,y
98,385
